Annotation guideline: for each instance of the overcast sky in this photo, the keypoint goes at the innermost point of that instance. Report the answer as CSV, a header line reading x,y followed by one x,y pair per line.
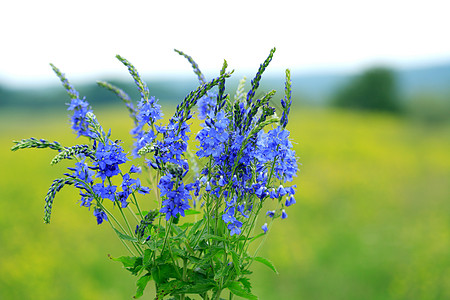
x,y
83,37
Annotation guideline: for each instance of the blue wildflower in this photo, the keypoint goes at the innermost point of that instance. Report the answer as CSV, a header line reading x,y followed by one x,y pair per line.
x,y
229,215
100,215
80,108
264,227
284,214
174,144
206,104
213,136
235,227
105,192
290,200
176,197
270,213
135,169
83,173
86,201
241,209
149,111
281,191
275,145
108,158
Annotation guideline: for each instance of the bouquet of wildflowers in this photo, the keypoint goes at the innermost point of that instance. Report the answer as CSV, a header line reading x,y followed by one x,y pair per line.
x,y
239,167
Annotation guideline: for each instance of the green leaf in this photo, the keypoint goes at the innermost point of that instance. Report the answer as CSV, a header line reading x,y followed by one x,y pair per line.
x,y
185,225
198,288
132,264
209,236
266,262
238,290
222,272
194,228
147,257
236,262
191,212
256,237
127,261
176,229
212,252
246,283
125,237
141,284
172,287
193,259
162,273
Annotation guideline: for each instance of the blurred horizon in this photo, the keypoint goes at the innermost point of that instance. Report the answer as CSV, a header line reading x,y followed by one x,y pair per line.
x,y
49,79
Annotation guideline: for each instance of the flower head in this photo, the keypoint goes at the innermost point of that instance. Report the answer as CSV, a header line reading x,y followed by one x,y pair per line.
x,y
100,215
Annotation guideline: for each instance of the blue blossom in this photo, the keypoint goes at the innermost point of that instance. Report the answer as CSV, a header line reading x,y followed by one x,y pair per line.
x,y
206,104
213,136
172,147
275,145
176,196
235,227
86,201
105,192
281,191
290,200
100,215
264,228
261,192
149,111
208,187
80,108
229,215
108,158
241,209
135,169
128,182
273,194
284,214
270,213
83,173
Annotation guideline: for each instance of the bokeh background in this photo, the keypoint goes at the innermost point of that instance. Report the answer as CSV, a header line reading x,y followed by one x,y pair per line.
x,y
370,124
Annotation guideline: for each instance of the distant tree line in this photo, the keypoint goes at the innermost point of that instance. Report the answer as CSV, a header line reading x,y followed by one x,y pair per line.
x,y
374,89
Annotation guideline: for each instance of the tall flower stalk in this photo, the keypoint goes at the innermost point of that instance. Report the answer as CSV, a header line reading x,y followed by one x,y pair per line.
x,y
243,163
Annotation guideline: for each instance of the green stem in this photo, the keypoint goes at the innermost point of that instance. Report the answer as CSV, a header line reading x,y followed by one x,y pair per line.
x,y
217,295
183,278
137,205
167,234
114,229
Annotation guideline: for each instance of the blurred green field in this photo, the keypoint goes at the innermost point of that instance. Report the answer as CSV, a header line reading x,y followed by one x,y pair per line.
x,y
372,219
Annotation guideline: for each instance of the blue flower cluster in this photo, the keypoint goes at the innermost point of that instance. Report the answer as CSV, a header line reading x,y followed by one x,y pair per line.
x,y
176,196
206,105
108,157
245,165
275,146
105,163
149,111
169,159
214,136
80,124
80,107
